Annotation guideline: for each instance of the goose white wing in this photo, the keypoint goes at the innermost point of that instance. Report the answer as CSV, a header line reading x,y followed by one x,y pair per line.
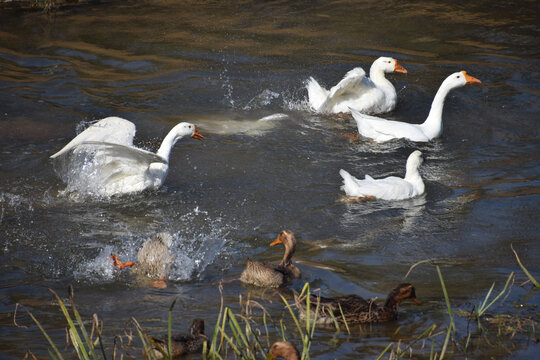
x,y
112,130
353,84
390,188
380,129
107,152
108,169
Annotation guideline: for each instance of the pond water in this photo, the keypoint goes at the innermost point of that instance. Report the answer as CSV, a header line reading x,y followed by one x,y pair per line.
x,y
222,66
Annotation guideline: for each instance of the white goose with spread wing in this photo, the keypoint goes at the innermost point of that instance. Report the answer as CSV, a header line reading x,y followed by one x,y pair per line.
x,y
373,95
110,164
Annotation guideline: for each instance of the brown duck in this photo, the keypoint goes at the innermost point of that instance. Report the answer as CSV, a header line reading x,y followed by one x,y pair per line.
x,y
284,350
182,344
356,309
260,274
153,259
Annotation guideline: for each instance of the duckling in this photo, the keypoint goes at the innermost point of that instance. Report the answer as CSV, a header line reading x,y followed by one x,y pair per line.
x,y
283,349
356,309
260,274
182,344
153,259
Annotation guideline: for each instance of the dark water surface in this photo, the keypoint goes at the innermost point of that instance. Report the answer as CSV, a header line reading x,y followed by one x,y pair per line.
x,y
223,65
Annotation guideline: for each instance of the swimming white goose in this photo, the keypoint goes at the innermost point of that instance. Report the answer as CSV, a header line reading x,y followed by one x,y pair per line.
x,y
117,167
381,130
373,95
389,188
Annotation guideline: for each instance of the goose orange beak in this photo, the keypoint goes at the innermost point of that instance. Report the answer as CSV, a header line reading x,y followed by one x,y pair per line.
x,y
277,241
120,265
416,301
400,69
196,134
469,79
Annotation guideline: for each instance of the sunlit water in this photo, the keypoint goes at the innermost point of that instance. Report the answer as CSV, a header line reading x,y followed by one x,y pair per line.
x,y
223,67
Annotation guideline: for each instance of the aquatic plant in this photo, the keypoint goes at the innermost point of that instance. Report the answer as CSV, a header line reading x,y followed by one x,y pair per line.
x,y
240,334
85,349
531,278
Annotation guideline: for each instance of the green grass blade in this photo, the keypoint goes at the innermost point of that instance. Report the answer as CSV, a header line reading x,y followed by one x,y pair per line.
x,y
452,326
533,280
147,348
385,350
231,343
293,316
312,332
76,339
481,307
213,344
87,340
308,305
53,357
446,341
169,330
46,336
344,319
336,324
480,313
282,330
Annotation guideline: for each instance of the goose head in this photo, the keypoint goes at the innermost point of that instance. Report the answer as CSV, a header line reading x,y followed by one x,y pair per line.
x,y
179,131
414,160
186,129
287,238
459,79
388,65
283,349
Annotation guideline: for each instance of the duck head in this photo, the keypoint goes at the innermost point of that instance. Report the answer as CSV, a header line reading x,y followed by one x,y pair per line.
x,y
165,238
401,292
287,238
388,65
196,328
283,349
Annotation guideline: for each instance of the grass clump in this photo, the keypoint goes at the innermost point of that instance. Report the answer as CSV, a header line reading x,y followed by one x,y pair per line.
x,y
239,335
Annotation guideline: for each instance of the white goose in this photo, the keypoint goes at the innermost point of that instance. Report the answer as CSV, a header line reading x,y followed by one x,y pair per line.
x,y
373,95
389,188
381,130
111,165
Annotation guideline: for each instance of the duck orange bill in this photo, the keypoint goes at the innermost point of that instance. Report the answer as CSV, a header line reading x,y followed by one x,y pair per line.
x,y
416,301
400,69
197,135
120,265
277,241
469,79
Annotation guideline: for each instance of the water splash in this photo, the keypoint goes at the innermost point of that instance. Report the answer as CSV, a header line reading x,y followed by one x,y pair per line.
x,y
263,99
191,253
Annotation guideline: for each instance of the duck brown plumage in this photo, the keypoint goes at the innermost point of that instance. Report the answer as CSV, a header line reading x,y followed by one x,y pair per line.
x,y
356,309
260,274
182,344
153,259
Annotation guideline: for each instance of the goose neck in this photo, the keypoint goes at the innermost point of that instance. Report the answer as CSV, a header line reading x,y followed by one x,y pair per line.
x,y
378,77
433,124
165,149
